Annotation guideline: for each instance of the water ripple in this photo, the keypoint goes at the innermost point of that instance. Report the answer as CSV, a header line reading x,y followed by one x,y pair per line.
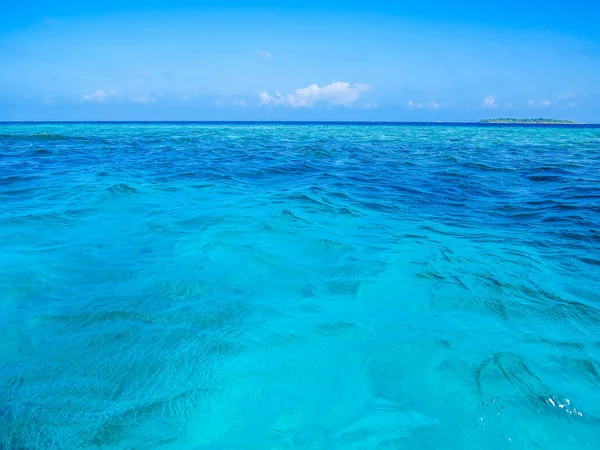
x,y
299,286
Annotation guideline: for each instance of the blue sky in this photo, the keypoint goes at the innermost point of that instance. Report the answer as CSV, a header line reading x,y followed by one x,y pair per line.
x,y
310,60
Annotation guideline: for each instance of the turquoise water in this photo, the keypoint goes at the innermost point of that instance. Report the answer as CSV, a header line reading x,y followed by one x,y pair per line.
x,y
299,286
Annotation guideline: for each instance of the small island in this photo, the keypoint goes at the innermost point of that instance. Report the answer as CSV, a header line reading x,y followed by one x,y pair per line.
x,y
529,121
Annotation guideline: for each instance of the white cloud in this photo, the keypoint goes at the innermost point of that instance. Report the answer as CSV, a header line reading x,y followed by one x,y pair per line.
x,y
569,99
48,100
340,93
566,96
373,105
544,103
490,102
185,98
264,54
266,99
144,99
98,96
429,105
228,102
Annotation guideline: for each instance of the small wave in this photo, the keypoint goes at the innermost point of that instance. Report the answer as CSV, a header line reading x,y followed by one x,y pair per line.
x,y
122,188
34,137
486,168
45,137
592,261
15,179
303,198
288,213
512,375
542,178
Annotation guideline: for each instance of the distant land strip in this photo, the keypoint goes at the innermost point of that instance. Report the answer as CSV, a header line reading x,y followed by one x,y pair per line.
x,y
529,121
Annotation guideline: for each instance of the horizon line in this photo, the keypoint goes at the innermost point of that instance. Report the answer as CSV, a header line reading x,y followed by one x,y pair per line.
x,y
392,122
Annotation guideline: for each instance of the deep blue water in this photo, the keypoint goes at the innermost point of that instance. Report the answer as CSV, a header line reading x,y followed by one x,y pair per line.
x,y
272,286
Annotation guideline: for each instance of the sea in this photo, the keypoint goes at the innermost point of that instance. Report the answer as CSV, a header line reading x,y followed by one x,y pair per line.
x,y
299,286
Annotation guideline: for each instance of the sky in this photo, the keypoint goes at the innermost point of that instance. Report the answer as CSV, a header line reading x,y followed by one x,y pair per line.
x,y
311,60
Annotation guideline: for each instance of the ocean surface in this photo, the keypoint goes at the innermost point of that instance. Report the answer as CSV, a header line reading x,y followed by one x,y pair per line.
x,y
299,286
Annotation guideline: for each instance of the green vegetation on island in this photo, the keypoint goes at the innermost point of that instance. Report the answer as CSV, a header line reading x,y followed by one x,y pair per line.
x,y
529,121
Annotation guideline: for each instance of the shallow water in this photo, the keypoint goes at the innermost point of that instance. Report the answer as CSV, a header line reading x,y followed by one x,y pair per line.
x,y
299,286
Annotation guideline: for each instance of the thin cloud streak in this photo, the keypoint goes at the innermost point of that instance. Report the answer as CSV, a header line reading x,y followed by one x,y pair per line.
x,y
98,96
264,54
